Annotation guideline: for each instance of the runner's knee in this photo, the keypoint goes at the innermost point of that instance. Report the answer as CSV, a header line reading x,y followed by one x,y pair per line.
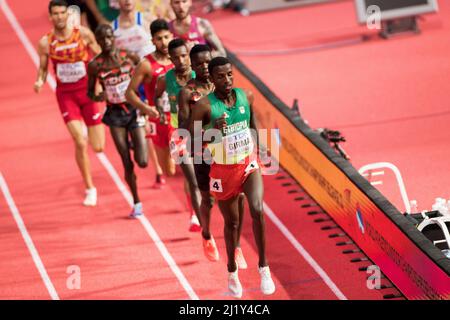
x,y
232,224
97,146
141,161
169,170
256,208
80,142
207,201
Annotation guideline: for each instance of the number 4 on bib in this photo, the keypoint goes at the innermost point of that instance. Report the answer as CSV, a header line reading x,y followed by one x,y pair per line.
x,y
215,185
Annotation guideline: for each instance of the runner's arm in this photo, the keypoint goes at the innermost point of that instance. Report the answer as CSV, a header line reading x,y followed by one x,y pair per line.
x,y
251,99
89,38
183,108
142,71
201,112
133,57
159,90
92,6
43,64
211,37
92,83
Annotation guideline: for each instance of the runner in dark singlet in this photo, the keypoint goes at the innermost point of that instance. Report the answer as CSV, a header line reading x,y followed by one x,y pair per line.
x,y
112,68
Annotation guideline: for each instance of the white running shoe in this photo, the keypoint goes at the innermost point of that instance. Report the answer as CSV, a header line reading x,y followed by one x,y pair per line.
x,y
267,285
91,197
234,285
194,224
137,211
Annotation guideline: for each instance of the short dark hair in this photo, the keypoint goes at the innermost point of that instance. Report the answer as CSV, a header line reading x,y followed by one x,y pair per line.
x,y
101,29
199,48
57,3
176,43
158,25
217,62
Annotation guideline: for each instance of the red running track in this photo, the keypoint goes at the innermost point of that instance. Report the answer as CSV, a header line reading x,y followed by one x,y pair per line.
x,y
117,257
387,97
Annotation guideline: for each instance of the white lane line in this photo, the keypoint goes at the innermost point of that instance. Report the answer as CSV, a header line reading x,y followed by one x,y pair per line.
x,y
28,241
303,252
149,228
103,159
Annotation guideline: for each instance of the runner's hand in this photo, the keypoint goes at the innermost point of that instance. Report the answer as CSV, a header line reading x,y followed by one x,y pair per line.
x,y
152,112
221,122
163,118
38,85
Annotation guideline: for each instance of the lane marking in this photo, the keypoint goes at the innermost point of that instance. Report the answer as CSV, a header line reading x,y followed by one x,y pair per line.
x,y
27,238
148,227
144,221
305,254
103,159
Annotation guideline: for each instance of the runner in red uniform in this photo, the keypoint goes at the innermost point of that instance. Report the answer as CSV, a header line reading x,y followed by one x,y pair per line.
x,y
67,48
147,72
192,29
113,69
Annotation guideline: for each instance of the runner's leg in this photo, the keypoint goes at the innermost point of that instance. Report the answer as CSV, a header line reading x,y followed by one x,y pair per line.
x,y
120,137
192,187
205,213
140,147
230,212
254,191
96,136
166,161
75,128
241,204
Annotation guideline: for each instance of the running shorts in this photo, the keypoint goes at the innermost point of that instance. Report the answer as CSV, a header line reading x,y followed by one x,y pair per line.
x,y
116,116
160,133
76,105
227,180
202,171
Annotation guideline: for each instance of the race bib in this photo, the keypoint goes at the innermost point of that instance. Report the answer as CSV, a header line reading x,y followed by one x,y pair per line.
x,y
70,72
177,147
215,185
116,93
163,101
238,144
152,128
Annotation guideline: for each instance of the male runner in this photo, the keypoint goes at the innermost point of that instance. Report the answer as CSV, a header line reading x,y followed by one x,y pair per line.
x,y
131,29
192,29
195,89
113,68
146,73
235,167
131,32
67,48
172,82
